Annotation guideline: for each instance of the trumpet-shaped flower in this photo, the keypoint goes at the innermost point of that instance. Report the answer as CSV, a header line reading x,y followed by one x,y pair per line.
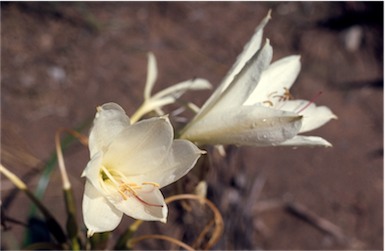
x,y
166,96
253,106
129,164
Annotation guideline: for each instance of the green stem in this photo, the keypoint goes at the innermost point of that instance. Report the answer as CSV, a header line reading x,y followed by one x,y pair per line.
x,y
72,226
121,243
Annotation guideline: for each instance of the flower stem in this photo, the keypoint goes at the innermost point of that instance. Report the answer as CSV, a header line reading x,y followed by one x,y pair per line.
x,y
72,227
138,114
122,242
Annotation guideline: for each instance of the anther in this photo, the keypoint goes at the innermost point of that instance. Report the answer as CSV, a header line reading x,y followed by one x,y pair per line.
x,y
268,103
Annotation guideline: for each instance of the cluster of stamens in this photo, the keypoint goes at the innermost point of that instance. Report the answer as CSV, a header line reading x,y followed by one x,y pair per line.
x,y
281,98
285,97
126,189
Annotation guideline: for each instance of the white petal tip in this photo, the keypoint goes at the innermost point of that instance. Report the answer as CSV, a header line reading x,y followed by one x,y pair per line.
x,y
90,233
269,14
165,117
327,145
202,152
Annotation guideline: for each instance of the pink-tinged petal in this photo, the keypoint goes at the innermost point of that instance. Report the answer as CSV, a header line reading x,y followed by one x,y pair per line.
x,y
313,116
99,214
148,204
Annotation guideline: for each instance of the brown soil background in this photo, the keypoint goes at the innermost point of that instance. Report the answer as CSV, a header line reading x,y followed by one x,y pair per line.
x,y
61,60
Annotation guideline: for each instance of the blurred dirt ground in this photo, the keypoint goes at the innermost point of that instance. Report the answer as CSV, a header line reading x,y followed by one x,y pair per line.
x,y
61,60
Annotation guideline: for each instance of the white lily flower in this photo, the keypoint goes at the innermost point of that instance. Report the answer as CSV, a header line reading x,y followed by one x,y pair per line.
x,y
166,96
129,164
252,107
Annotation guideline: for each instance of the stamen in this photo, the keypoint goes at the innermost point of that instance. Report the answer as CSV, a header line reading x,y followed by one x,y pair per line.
x,y
151,183
268,103
310,102
271,94
123,195
125,187
285,96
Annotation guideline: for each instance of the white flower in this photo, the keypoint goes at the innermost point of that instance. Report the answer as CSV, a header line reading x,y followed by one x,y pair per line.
x,y
128,166
252,105
166,96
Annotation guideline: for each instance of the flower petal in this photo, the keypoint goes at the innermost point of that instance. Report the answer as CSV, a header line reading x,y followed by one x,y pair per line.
x,y
148,204
141,147
246,81
313,116
152,73
245,125
239,89
179,89
182,157
306,141
109,121
92,170
278,76
249,50
99,214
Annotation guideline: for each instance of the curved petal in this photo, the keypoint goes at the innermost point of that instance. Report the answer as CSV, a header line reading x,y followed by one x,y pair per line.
x,y
92,170
179,89
152,73
280,75
239,89
148,204
249,50
99,214
245,125
109,121
140,147
313,116
181,159
245,82
306,141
